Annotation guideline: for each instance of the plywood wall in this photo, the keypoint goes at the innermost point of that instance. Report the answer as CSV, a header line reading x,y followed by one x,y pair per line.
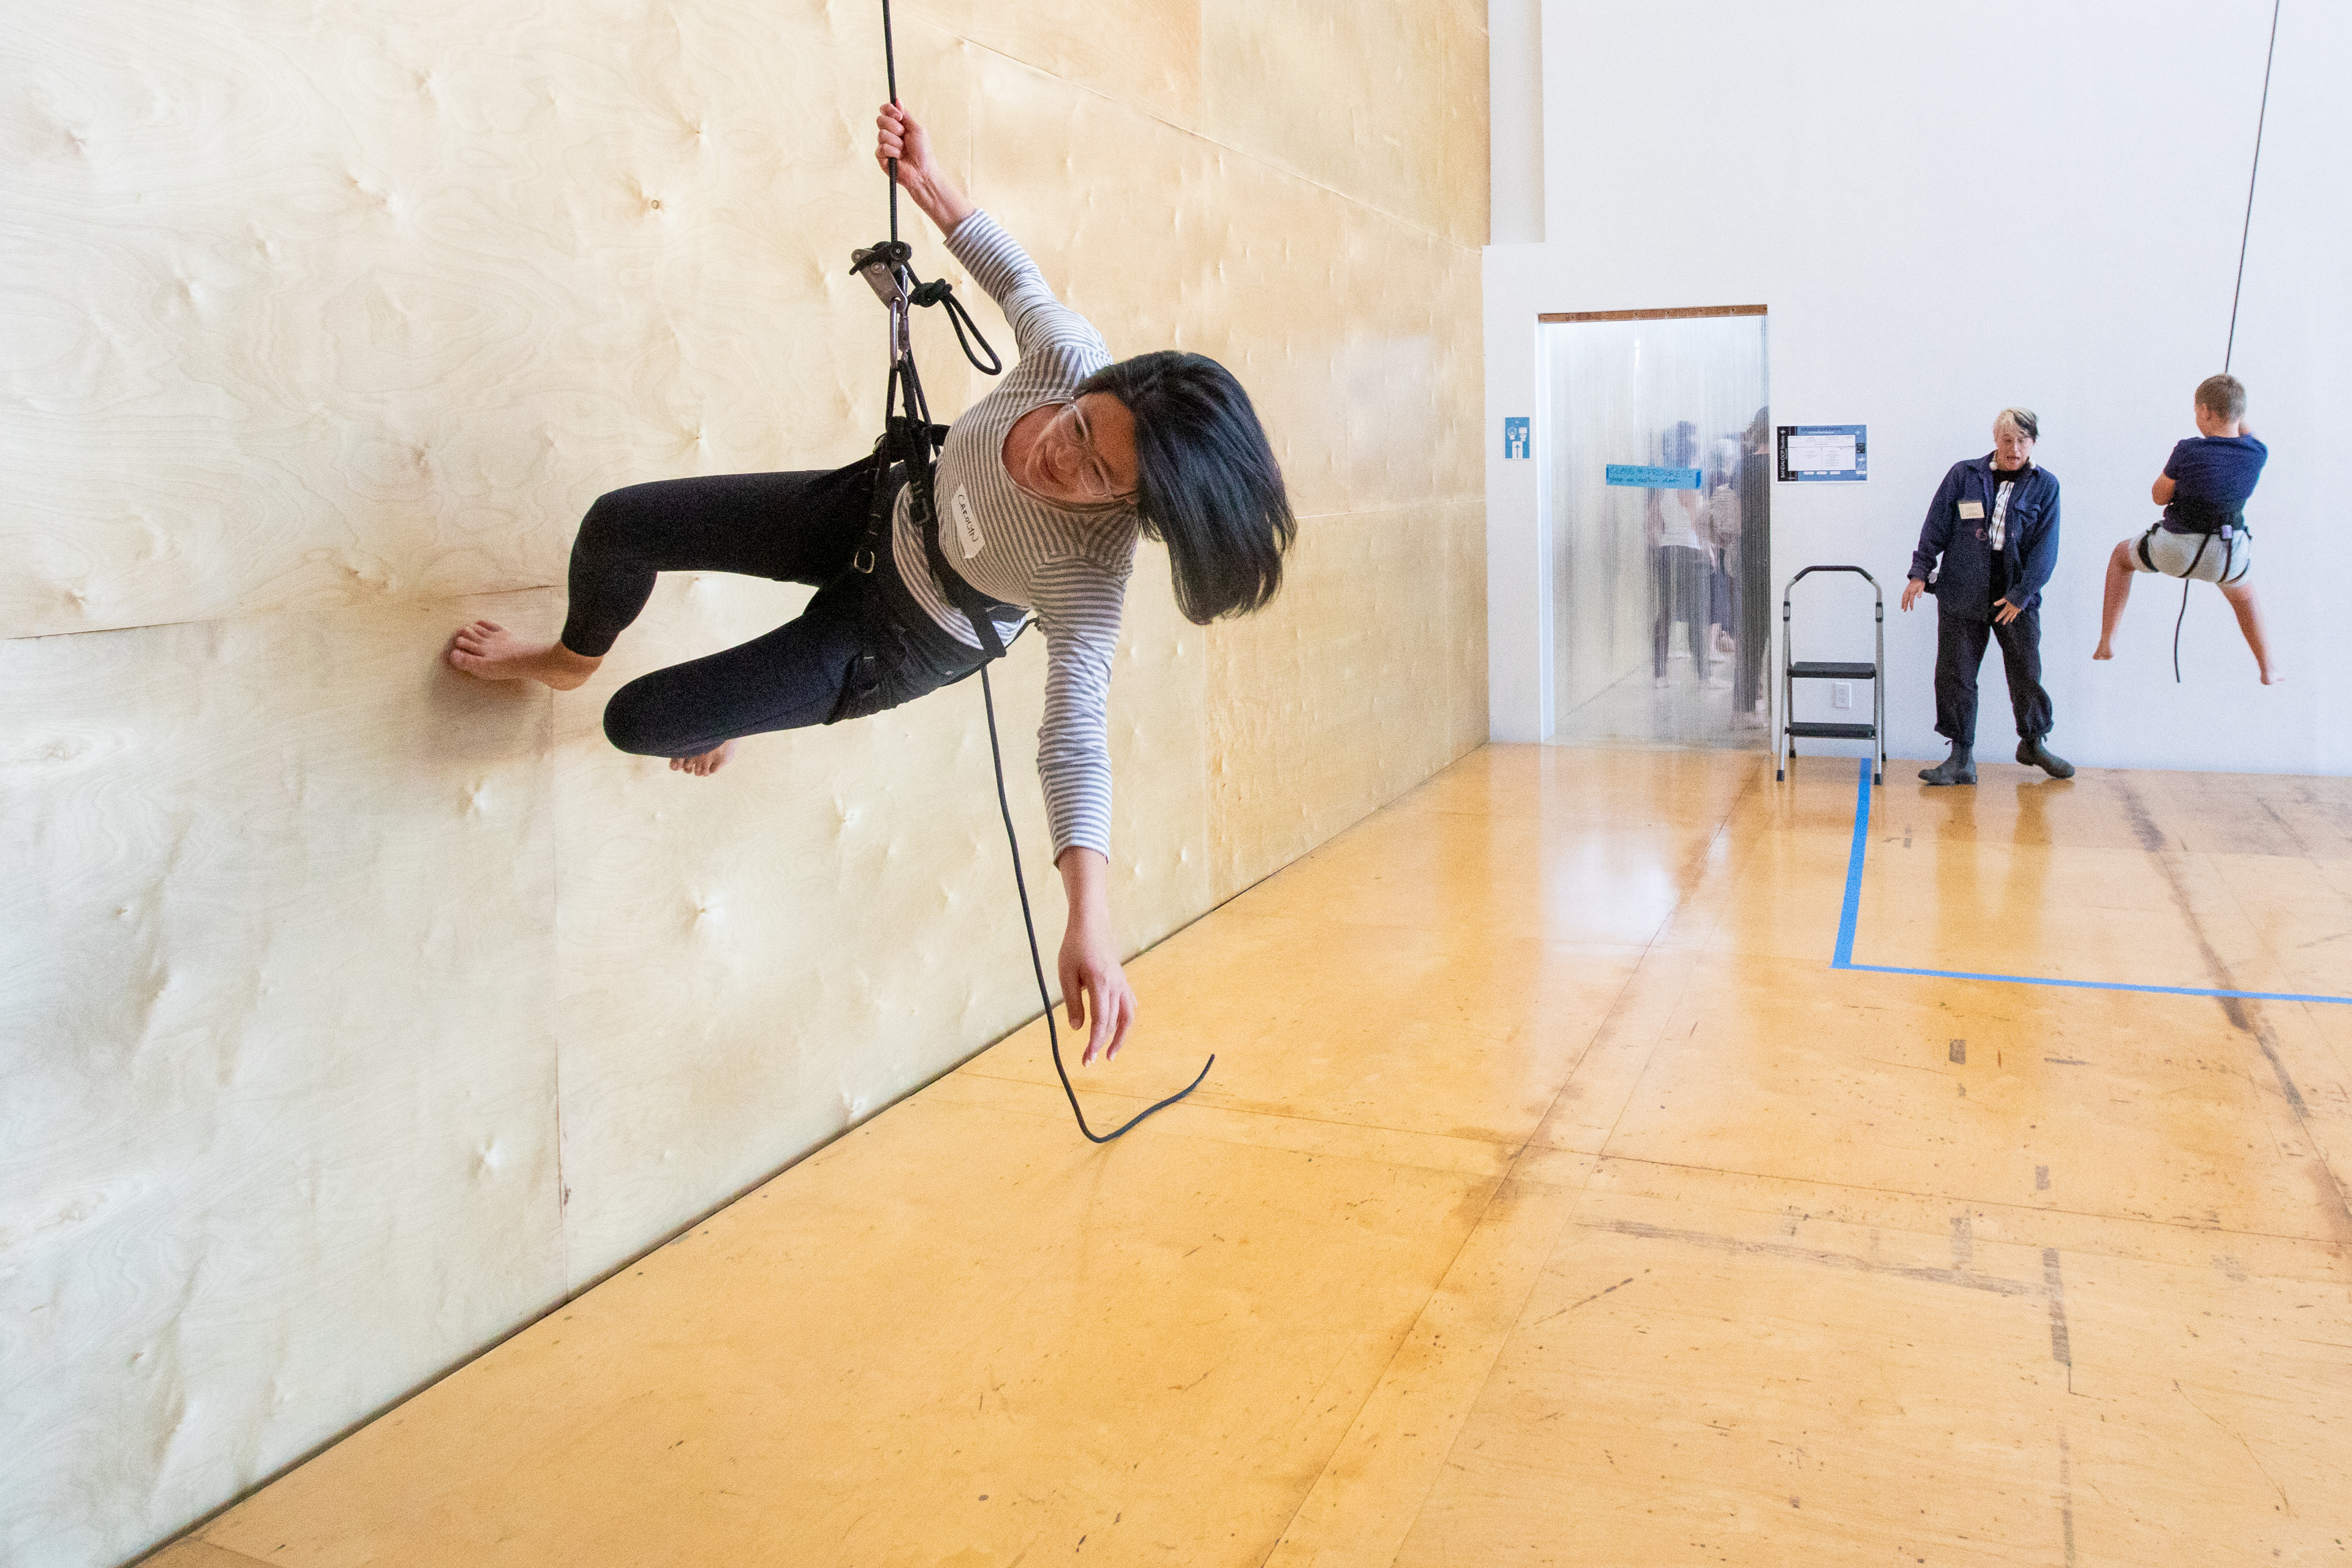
x,y
351,1012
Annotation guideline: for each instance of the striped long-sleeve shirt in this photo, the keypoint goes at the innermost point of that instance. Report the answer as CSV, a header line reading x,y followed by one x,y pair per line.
x,y
1068,566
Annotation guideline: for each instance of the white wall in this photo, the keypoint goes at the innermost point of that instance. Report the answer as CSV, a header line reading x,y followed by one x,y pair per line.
x,y
1949,210
1515,100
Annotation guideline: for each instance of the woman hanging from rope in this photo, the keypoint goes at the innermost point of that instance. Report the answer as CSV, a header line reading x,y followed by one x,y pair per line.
x,y
1043,487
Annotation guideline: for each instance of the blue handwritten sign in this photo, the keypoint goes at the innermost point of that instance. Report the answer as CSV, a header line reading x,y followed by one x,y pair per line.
x,y
1649,478
1517,442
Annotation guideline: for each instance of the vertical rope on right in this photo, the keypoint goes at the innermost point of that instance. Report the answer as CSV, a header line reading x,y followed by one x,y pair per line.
x,y
2246,233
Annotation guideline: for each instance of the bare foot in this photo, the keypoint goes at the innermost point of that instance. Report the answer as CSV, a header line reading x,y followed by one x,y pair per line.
x,y
2101,651
488,651
2271,678
703,766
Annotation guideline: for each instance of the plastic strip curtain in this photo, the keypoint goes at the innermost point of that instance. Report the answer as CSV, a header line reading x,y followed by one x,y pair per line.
x,y
1658,623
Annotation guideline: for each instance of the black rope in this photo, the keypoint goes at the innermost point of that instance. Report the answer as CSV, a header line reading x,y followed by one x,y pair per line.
x,y
1037,964
939,292
2237,289
2254,173
906,391
890,66
2177,620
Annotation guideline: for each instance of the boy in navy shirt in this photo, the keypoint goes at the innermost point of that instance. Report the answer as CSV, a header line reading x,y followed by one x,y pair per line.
x,y
2203,535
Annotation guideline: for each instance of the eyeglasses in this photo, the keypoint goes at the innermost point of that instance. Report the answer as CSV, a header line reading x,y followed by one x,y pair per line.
x,y
1093,475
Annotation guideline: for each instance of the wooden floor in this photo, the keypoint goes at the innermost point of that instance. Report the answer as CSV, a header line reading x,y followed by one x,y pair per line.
x,y
1554,1200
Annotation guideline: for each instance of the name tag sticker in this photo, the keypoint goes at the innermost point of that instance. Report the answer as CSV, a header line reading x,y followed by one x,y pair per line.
x,y
1971,509
967,526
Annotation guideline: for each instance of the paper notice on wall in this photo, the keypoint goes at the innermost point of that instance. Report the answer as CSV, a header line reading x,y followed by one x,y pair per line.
x,y
1824,452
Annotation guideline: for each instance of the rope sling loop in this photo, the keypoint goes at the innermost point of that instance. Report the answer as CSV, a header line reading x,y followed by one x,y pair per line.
x,y
910,444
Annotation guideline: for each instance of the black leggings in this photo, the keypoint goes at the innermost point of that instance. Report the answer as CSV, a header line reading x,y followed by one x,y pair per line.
x,y
860,646
1678,579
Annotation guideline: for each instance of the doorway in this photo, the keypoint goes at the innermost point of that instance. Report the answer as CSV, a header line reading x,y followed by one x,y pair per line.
x,y
1658,490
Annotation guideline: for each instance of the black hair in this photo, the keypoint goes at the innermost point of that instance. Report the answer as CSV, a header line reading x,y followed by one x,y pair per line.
x,y
1207,484
1680,444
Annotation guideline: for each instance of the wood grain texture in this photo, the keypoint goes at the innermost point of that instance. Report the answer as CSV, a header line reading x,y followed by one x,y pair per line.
x,y
977,1400
275,1140
754,963
1338,92
422,1006
324,305
1329,690
1499,1234
193,1553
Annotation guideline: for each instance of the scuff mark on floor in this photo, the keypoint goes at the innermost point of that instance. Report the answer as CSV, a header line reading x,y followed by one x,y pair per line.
x,y
1966,1280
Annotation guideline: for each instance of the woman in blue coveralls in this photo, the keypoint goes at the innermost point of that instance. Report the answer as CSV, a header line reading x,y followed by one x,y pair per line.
x,y
1994,525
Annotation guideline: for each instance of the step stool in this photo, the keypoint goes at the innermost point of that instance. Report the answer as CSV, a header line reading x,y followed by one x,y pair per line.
x,y
1793,669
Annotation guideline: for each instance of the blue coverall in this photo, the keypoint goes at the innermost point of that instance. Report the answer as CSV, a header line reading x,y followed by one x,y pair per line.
x,y
1971,579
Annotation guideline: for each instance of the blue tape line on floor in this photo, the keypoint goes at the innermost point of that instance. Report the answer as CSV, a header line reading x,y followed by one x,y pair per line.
x,y
1852,913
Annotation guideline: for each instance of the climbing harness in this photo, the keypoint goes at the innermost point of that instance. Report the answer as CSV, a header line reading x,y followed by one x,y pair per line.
x,y
910,447
2210,523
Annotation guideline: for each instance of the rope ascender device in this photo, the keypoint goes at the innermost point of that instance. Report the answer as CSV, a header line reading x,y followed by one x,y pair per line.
x,y
908,450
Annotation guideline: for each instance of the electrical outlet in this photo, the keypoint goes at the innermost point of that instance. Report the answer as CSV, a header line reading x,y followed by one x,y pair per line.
x,y
1841,693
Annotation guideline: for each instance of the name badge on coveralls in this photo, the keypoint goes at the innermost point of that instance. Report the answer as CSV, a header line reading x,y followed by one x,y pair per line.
x,y
1971,510
967,526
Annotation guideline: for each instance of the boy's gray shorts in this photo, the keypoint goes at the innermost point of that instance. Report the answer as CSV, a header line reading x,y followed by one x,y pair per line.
x,y
2229,555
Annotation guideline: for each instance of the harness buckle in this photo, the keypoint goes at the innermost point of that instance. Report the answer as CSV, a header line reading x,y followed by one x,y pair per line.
x,y
863,560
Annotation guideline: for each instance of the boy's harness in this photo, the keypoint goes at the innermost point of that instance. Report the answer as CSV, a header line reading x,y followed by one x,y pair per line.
x,y
2208,521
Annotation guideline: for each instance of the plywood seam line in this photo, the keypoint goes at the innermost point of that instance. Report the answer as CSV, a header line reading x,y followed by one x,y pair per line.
x,y
264,612
1973,1204
1601,1156
1391,511
1197,135
271,612
1505,1182
1271,1115
1721,827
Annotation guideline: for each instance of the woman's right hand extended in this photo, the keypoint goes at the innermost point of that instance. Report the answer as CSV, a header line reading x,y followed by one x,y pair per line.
x,y
900,136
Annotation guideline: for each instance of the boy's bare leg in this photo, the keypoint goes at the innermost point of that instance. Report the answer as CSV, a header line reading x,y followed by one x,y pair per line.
x,y
2249,621
2119,576
488,651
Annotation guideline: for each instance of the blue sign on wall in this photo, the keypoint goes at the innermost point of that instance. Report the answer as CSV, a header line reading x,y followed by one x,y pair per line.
x,y
1649,478
1517,442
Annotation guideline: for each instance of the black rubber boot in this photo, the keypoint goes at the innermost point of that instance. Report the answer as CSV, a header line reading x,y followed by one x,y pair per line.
x,y
2034,754
1959,768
